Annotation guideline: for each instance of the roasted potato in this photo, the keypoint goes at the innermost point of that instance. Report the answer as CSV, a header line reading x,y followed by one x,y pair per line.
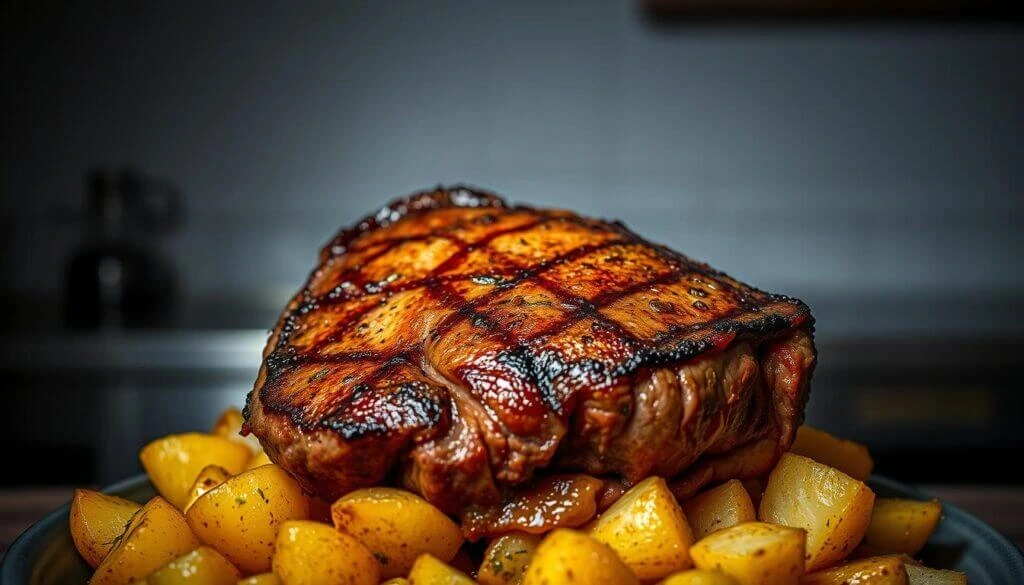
x,y
919,575
241,516
700,577
506,559
885,570
157,534
754,553
174,461
96,521
262,579
203,566
569,556
720,507
258,460
849,457
229,426
831,506
311,553
210,477
899,526
396,581
647,529
429,570
397,526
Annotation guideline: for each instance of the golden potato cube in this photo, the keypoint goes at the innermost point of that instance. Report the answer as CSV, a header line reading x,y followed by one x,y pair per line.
x,y
210,477
229,426
259,459
96,522
203,566
396,581
429,570
397,526
157,534
506,559
885,570
699,577
900,526
261,579
849,457
241,516
647,529
720,507
831,506
174,461
569,556
919,575
754,553
311,553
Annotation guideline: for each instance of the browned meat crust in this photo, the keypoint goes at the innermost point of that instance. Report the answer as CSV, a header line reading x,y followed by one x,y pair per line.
x,y
459,345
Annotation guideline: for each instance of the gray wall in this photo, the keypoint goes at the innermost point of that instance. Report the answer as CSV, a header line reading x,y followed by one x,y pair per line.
x,y
825,161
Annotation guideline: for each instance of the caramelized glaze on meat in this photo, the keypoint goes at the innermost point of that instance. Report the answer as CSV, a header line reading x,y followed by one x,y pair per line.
x,y
461,346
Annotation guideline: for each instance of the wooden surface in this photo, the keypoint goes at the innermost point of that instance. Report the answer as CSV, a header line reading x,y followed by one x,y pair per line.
x,y
1001,507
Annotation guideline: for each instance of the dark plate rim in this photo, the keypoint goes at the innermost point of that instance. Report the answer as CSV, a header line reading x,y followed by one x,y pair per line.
x,y
16,567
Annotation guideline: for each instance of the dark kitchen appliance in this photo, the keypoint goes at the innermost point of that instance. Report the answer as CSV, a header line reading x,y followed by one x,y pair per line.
x,y
117,277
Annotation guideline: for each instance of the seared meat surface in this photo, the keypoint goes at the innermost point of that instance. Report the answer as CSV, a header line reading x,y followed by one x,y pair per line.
x,y
461,347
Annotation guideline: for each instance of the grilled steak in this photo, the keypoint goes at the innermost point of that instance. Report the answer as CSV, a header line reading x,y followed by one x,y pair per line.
x,y
461,346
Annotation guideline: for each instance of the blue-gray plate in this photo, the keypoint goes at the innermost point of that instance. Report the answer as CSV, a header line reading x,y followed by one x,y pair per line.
x,y
45,555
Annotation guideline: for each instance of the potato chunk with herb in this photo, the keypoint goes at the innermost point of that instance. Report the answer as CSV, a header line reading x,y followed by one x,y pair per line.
x,y
699,577
720,507
429,570
900,526
884,570
174,461
210,477
156,535
241,516
831,506
203,566
754,553
849,457
397,526
568,556
506,559
97,520
259,459
229,426
311,553
261,579
647,529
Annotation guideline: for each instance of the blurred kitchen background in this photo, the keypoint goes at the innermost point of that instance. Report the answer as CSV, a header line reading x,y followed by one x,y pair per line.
x,y
169,171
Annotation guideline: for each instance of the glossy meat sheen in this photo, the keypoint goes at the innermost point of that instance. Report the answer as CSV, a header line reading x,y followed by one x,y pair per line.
x,y
459,345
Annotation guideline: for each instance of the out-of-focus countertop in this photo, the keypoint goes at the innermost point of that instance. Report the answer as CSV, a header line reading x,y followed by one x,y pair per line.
x,y
1000,506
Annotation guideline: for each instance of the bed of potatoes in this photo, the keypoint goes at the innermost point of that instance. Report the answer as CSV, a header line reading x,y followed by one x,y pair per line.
x,y
227,515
